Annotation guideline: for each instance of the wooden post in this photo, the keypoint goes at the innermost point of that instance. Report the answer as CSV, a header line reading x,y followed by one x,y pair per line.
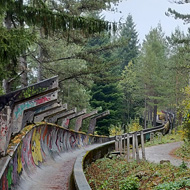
x,y
137,147
142,145
128,147
116,143
124,145
120,144
133,139
151,137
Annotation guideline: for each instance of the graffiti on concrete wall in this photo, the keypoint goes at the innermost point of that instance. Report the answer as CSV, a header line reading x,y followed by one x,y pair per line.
x,y
4,128
39,144
18,101
28,92
20,108
65,123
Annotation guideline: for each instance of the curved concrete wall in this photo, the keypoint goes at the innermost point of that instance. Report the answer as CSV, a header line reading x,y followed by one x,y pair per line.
x,y
85,159
34,146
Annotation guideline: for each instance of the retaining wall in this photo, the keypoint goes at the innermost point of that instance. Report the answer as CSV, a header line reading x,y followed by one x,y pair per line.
x,y
78,179
34,145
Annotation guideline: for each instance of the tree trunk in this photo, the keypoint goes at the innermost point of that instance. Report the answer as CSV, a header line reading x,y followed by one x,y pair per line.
x,y
23,62
39,71
5,83
23,68
6,86
145,112
155,114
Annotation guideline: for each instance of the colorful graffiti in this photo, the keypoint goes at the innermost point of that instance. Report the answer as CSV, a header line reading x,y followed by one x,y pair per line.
x,y
4,129
17,102
35,145
28,92
19,109
65,123
26,105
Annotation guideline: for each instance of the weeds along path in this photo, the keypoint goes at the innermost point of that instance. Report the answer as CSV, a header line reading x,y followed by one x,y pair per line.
x,y
162,152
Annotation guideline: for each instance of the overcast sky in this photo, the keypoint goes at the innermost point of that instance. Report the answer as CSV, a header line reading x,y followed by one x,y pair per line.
x,y
148,13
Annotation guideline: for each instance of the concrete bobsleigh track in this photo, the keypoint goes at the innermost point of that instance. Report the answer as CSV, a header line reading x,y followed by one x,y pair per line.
x,y
27,143
34,146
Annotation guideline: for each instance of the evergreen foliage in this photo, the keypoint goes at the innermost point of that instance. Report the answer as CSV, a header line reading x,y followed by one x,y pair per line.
x,y
128,53
20,18
69,39
12,44
107,97
129,34
105,93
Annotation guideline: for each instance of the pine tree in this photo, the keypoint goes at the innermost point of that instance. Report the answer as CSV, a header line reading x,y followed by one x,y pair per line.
x,y
179,65
128,53
153,71
129,34
16,38
132,95
105,93
106,97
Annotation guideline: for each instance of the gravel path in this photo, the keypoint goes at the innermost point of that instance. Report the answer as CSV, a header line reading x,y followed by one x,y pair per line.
x,y
163,152
54,174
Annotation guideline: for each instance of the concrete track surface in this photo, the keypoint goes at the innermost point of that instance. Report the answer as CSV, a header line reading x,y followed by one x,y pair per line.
x,y
54,174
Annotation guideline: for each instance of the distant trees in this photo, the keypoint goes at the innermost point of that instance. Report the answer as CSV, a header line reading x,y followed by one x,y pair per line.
x,y
108,94
128,33
128,54
154,80
40,39
153,71
104,92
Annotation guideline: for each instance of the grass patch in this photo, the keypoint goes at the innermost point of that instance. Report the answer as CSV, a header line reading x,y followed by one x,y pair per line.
x,y
184,151
118,174
169,138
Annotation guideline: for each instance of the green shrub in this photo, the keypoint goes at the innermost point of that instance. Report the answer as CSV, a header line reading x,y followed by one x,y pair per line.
x,y
129,183
134,126
174,185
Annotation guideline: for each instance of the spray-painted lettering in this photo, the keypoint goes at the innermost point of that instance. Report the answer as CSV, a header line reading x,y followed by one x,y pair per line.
x,y
42,100
24,106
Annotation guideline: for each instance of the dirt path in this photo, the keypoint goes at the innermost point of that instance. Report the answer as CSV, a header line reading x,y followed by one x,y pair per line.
x,y
162,152
54,174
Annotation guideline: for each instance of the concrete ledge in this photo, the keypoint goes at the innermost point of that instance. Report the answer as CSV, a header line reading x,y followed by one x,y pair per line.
x,y
85,159
79,177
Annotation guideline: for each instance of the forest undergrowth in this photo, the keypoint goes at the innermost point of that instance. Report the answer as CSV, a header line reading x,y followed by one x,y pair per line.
x,y
117,173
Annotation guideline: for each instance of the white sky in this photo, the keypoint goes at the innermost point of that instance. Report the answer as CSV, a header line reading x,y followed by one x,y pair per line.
x,y
148,13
